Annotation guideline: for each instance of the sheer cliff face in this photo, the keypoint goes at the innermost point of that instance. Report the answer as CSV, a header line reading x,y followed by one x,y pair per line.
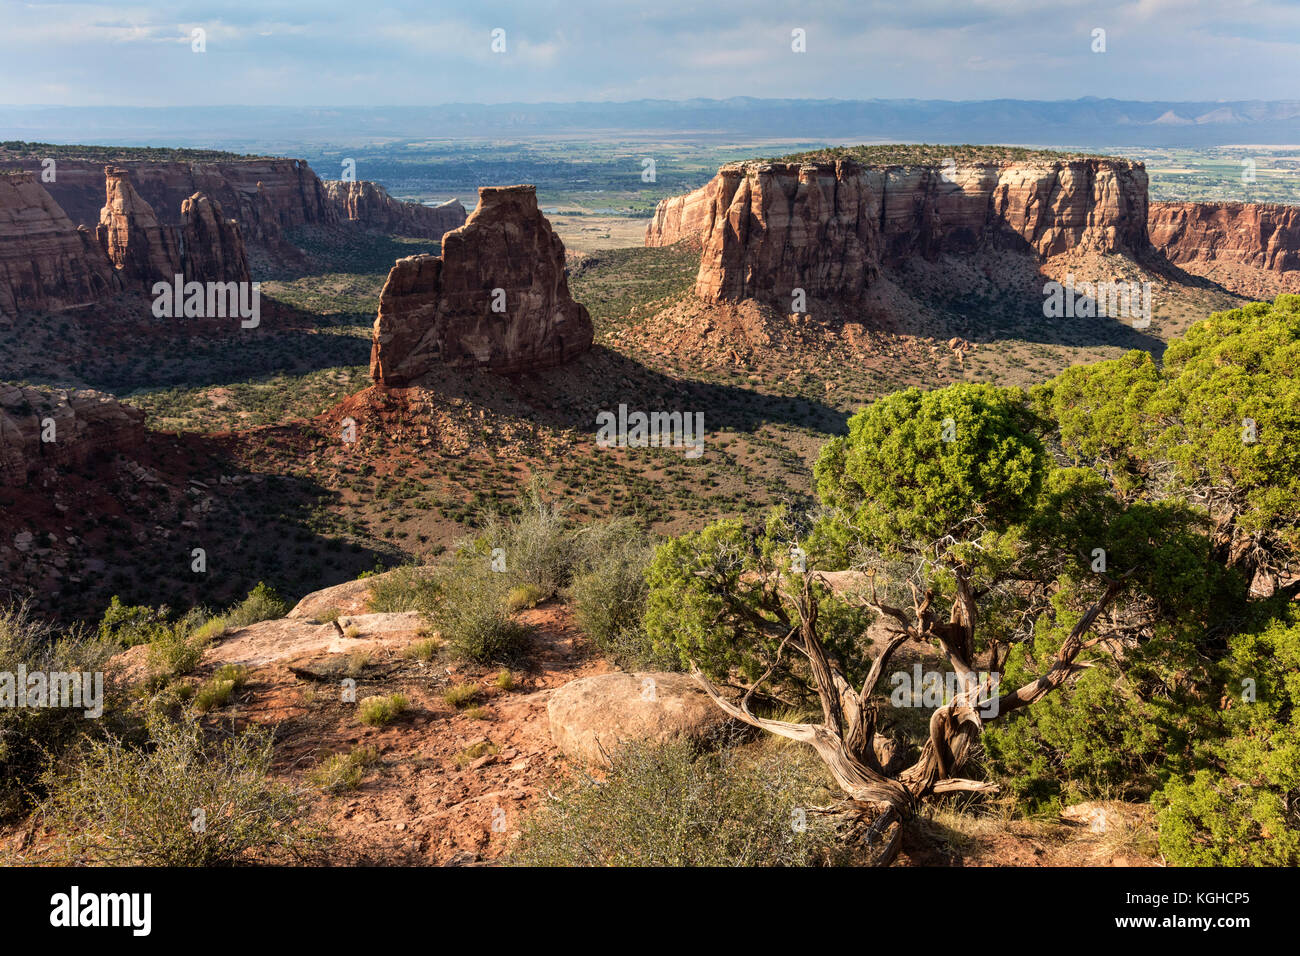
x,y
1258,235
369,205
212,248
768,228
497,298
61,427
266,196
46,263
142,250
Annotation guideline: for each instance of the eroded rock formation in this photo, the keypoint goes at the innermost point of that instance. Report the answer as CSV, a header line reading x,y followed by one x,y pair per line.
x,y
369,205
827,227
46,263
43,428
497,298
1259,235
212,248
141,249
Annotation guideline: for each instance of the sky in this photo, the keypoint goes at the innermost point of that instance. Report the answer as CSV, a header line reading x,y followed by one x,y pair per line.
x,y
321,53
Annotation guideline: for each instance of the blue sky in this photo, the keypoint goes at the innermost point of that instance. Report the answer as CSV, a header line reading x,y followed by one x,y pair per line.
x,y
410,53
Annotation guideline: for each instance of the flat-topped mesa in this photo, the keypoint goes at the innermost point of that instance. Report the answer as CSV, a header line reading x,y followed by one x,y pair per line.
x,y
46,263
1262,236
827,227
497,298
142,250
370,206
44,428
212,247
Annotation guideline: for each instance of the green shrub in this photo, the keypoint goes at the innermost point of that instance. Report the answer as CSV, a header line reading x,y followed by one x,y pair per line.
x,y
473,618
422,650
539,551
408,588
217,691
667,806
460,695
30,736
380,711
174,651
262,604
178,802
609,591
341,772
129,625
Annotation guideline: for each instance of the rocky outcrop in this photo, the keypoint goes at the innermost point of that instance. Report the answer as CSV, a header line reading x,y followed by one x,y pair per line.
x,y
141,249
497,298
212,248
265,196
828,227
591,717
369,205
1258,235
46,263
44,428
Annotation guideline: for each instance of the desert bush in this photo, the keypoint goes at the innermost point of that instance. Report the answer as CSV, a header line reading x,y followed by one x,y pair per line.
x,y
408,588
671,806
262,604
539,550
174,651
422,650
129,625
473,618
217,691
380,711
460,695
181,801
609,591
342,772
30,736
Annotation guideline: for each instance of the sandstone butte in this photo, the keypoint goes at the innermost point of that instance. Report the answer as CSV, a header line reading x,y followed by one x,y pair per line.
x,y
438,310
767,228
370,205
85,424
827,227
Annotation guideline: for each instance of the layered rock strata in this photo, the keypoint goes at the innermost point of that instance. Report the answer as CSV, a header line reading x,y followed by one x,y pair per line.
x,y
44,428
369,205
496,298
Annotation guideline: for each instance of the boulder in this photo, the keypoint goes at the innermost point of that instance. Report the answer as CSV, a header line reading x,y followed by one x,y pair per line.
x,y
591,716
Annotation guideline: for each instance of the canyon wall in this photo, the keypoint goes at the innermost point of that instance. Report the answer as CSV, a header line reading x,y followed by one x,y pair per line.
x,y
47,263
212,247
44,428
369,205
827,227
266,196
142,250
1258,235
496,298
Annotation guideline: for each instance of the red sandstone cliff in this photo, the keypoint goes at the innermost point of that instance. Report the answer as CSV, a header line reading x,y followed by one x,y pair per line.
x,y
369,205
46,263
1259,235
212,248
142,250
827,227
438,310
81,424
266,196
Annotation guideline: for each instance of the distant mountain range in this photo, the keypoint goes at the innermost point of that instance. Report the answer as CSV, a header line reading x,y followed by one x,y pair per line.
x,y
1086,122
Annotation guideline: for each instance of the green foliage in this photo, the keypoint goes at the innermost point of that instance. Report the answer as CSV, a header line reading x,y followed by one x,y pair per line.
x,y
262,604
715,599
668,806
919,466
1243,809
608,591
29,736
339,773
472,615
408,588
382,710
129,625
119,805
538,550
